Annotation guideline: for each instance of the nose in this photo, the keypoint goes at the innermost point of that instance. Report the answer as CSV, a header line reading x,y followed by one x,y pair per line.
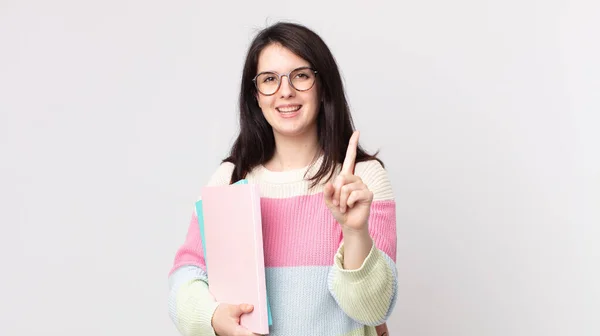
x,y
286,90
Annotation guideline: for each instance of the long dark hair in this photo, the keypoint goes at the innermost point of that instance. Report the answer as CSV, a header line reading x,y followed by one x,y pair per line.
x,y
255,144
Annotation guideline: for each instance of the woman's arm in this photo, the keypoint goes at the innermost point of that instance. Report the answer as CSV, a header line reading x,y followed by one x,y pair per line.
x,y
366,287
191,306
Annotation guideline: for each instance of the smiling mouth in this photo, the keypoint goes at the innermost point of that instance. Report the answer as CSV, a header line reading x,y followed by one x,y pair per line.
x,y
289,109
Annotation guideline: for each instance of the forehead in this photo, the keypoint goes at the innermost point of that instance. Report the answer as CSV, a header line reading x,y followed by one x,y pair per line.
x,y
276,57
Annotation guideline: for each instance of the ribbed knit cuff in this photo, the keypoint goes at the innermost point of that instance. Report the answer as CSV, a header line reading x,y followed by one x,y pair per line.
x,y
364,293
357,275
195,310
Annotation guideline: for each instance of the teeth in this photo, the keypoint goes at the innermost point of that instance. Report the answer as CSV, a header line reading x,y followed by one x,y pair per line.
x,y
289,109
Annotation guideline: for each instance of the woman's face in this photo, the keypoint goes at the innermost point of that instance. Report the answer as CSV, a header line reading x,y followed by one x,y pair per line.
x,y
290,111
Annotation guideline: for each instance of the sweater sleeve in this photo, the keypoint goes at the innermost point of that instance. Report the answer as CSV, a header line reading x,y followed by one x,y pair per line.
x,y
191,306
368,294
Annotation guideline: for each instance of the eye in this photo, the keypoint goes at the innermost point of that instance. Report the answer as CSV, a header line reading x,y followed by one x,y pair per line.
x,y
268,79
303,74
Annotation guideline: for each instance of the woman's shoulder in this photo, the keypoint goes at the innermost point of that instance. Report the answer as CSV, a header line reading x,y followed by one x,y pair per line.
x,y
221,175
375,176
370,169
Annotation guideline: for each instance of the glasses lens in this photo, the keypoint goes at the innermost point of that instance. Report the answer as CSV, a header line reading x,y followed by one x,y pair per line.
x,y
267,83
302,79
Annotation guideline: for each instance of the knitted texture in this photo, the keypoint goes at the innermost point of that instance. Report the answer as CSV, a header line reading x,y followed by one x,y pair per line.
x,y
310,292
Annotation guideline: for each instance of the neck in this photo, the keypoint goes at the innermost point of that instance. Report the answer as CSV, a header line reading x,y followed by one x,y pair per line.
x,y
294,152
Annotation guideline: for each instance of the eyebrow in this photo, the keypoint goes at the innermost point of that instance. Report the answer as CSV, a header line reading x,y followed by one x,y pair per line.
x,y
298,67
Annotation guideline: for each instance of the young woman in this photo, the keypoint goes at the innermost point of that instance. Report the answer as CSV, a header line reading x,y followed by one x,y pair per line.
x,y
328,210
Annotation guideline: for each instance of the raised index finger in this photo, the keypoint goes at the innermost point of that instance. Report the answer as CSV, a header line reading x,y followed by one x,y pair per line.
x,y
349,161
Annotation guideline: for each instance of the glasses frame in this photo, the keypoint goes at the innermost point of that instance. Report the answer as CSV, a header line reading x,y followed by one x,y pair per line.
x,y
280,80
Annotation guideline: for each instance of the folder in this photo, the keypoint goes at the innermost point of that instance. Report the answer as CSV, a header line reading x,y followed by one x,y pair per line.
x,y
230,224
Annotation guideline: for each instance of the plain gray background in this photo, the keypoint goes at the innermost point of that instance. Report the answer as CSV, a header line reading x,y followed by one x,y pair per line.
x,y
113,114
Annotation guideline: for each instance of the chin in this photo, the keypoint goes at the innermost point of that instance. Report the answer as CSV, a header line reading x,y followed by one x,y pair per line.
x,y
289,132
295,131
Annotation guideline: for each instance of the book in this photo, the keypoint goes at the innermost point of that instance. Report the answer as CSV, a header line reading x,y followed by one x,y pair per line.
x,y
230,224
200,217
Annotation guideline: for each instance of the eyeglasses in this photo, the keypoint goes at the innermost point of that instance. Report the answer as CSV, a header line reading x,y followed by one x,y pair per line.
x,y
301,79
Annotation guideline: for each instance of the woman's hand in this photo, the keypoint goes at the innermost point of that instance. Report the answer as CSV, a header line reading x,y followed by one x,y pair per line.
x,y
226,320
382,330
348,198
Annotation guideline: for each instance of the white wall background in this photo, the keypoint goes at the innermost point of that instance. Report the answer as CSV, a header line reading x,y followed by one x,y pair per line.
x,y
486,113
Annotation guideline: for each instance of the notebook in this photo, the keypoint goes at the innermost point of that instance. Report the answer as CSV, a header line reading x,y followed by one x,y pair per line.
x,y
230,224
201,222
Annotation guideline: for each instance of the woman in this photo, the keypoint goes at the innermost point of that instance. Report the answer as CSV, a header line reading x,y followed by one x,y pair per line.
x,y
329,221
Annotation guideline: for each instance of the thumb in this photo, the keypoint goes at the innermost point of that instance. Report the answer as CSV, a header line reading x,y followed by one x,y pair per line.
x,y
243,309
